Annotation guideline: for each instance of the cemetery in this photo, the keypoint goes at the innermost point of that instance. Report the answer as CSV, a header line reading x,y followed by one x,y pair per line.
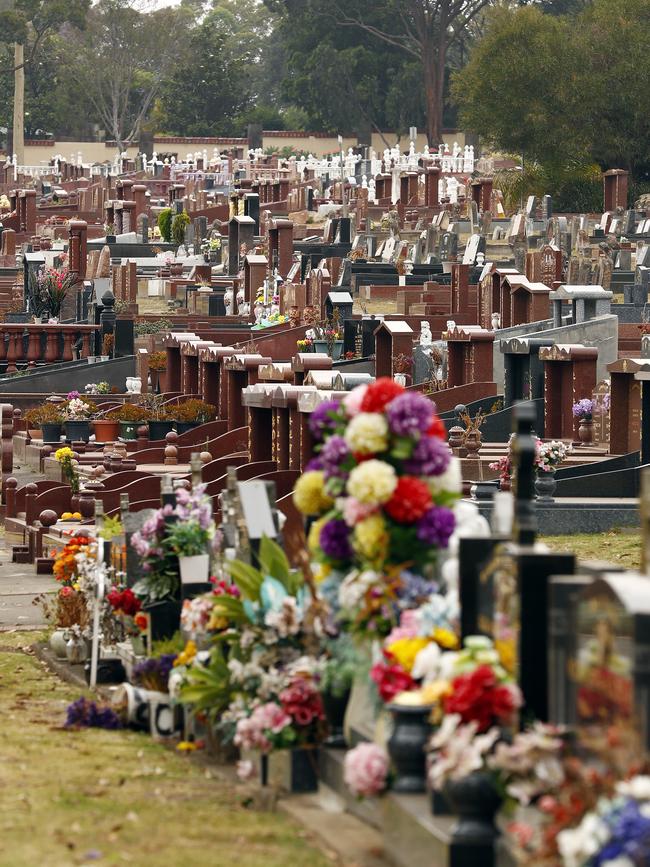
x,y
288,444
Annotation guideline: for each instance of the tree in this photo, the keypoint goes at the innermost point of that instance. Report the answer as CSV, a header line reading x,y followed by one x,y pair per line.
x,y
204,94
123,59
344,79
27,23
425,30
558,88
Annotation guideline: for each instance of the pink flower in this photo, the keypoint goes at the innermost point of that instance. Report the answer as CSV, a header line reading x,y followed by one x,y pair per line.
x,y
245,770
365,770
408,627
271,716
352,401
354,511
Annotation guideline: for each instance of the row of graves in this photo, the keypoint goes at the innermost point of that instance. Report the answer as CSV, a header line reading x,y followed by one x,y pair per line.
x,y
478,698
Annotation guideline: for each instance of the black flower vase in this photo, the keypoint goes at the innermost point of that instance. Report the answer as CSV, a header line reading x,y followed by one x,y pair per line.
x,y
545,485
475,800
406,746
335,707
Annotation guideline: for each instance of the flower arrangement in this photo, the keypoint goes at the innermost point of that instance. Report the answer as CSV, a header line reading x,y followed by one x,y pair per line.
x,y
84,713
583,409
305,345
65,564
48,290
366,770
402,363
65,456
78,409
153,673
550,455
382,488
162,540
97,388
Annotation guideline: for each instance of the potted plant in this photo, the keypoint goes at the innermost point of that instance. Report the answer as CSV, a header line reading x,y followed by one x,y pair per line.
x,y
108,343
49,418
548,459
305,345
337,676
192,413
402,365
157,363
190,538
106,429
77,414
130,417
583,410
160,419
55,283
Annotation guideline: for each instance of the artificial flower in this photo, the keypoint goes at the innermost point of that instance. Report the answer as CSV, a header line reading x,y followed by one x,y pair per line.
x,y
405,651
334,539
379,393
436,526
322,419
367,433
353,400
411,499
365,770
372,482
391,678
371,539
354,511
309,495
410,414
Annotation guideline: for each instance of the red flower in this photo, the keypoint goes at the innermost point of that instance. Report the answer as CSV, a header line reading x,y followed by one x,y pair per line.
x,y
379,393
302,702
437,428
410,500
478,697
391,679
124,602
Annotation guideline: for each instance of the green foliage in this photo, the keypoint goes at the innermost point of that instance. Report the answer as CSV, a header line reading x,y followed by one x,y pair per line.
x,y
342,665
273,562
175,644
155,327
112,528
576,187
165,218
207,687
180,223
557,88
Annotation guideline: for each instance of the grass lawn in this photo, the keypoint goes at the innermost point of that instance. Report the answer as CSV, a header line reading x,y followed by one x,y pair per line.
x,y
100,797
616,546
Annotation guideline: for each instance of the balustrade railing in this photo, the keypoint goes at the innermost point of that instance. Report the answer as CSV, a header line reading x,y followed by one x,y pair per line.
x,y
45,343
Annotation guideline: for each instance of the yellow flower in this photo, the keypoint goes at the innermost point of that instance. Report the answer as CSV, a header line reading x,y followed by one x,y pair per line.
x,y
506,651
445,638
322,572
187,655
406,649
372,482
186,746
371,539
434,691
309,494
63,454
313,540
75,586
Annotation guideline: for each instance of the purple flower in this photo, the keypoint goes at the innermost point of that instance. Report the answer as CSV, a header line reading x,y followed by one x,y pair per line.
x,y
409,414
314,464
335,540
436,526
86,714
321,421
415,589
332,455
431,457
583,408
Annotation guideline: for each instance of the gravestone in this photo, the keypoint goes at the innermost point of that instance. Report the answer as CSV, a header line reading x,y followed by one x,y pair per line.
x,y
133,523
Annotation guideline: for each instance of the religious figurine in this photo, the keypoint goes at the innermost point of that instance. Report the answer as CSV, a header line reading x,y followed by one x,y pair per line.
x,y
227,300
496,321
258,310
426,338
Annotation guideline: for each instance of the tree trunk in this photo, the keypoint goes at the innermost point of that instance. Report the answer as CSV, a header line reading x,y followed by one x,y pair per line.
x,y
433,65
19,103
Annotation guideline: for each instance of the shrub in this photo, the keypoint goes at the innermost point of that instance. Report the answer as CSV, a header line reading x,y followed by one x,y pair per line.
x,y
47,413
179,225
194,410
158,361
127,412
165,224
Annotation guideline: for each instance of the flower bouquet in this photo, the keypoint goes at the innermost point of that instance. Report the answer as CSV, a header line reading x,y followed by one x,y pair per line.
x,y
381,489
583,409
550,455
65,456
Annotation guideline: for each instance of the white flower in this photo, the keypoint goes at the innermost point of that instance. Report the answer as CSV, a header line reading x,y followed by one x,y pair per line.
x,y
372,482
577,845
451,480
427,663
354,586
638,788
367,433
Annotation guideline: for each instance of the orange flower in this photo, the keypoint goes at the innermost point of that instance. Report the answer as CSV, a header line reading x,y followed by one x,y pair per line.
x,y
141,620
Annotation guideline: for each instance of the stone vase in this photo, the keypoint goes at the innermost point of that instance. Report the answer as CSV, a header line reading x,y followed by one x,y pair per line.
x,y
75,650
58,643
335,707
586,431
545,485
473,443
475,800
406,746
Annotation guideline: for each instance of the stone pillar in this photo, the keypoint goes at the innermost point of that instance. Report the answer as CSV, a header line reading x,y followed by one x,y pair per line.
x,y
615,183
78,235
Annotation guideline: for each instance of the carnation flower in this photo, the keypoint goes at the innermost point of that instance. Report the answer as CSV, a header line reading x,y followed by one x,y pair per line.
x,y
437,428
478,697
365,770
321,421
411,499
372,482
436,526
450,481
313,539
309,494
430,457
335,540
353,400
354,511
379,393
367,433
409,414
371,539
391,678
